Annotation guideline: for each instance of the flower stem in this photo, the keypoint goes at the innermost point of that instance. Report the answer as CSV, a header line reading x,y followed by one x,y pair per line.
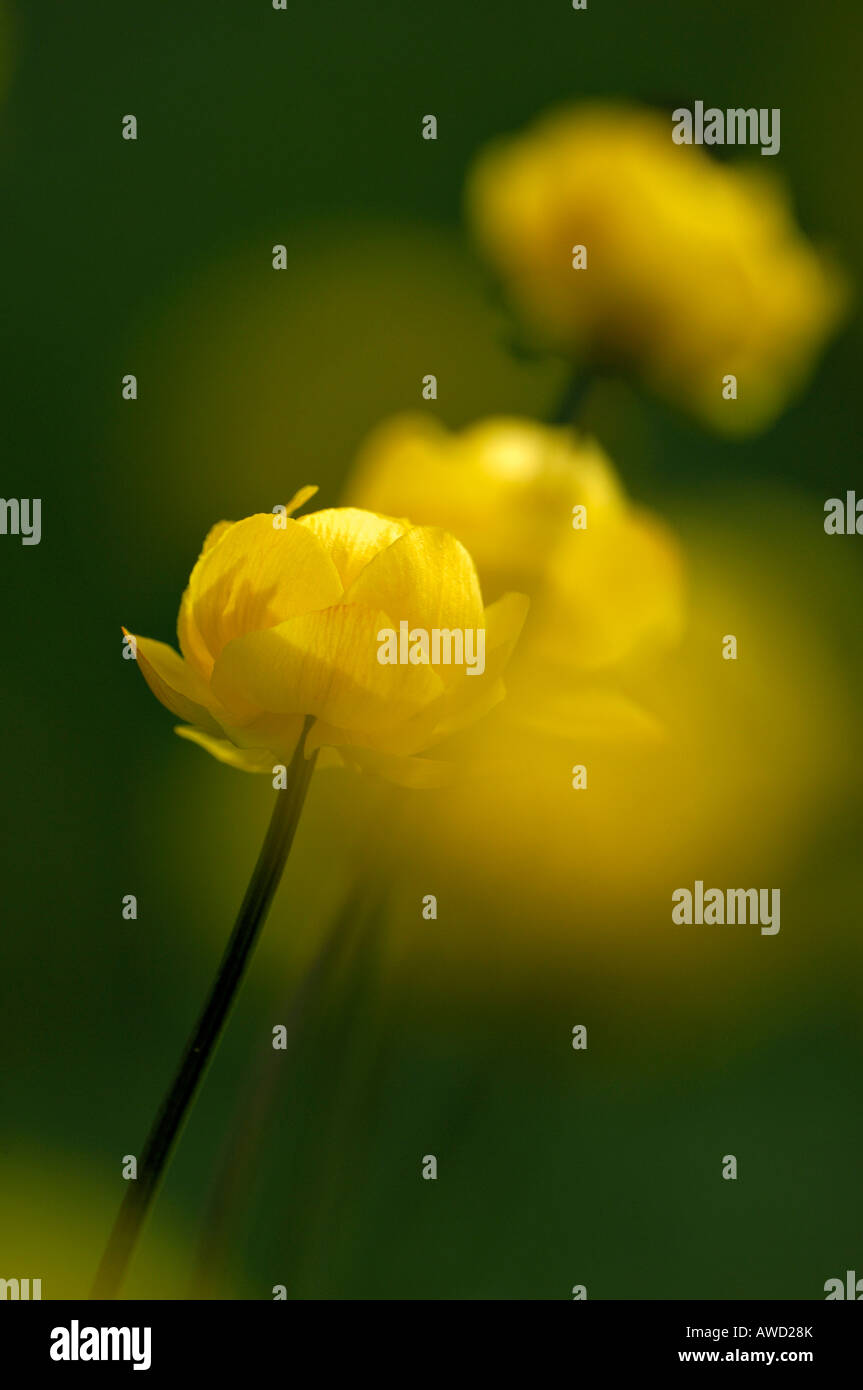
x,y
169,1119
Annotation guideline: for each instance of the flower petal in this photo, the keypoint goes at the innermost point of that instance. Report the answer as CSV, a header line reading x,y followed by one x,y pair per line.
x,y
252,577
504,621
174,683
279,732
325,664
352,537
300,498
426,578
463,700
246,759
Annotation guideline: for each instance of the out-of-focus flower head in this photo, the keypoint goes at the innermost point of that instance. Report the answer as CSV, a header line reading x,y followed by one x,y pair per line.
x,y
603,594
553,878
282,620
694,270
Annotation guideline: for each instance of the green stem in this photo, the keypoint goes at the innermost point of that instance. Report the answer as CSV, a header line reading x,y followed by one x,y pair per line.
x,y
169,1119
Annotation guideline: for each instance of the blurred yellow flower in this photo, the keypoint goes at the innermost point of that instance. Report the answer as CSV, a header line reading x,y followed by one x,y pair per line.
x,y
694,271
283,620
557,881
540,510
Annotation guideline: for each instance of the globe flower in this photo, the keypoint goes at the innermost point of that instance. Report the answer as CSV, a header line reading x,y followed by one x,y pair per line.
x,y
343,631
717,789
540,509
680,751
692,271
280,632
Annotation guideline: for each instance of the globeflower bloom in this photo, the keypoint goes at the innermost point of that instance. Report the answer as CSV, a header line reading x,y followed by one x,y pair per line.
x,y
692,270
541,509
288,638
281,627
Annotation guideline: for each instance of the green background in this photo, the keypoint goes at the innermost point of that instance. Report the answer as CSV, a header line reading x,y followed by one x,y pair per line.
x,y
302,127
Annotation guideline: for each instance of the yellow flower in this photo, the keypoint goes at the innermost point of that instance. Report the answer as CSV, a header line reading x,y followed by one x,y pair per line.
x,y
695,271
601,593
283,620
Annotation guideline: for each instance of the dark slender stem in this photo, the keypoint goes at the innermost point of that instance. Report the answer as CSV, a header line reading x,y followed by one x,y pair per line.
x,y
199,1049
